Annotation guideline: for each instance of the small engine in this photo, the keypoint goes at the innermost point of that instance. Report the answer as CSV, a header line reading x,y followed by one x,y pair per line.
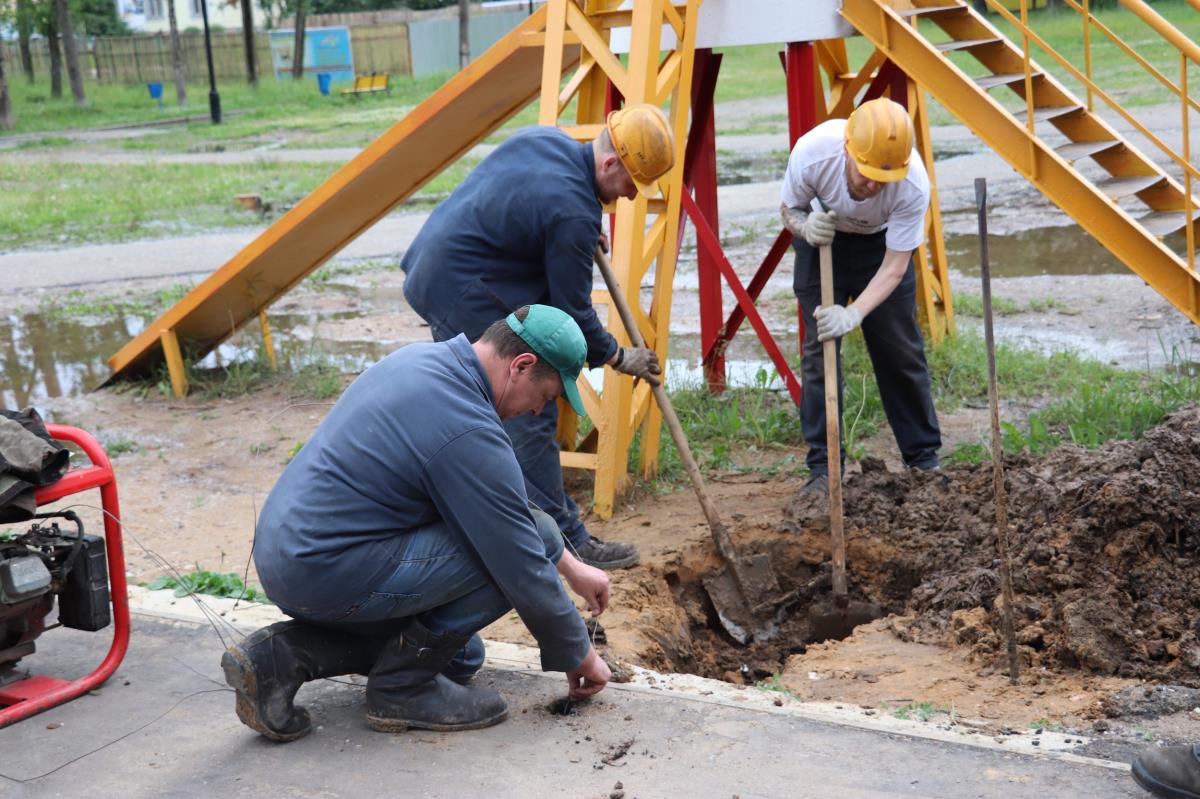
x,y
37,567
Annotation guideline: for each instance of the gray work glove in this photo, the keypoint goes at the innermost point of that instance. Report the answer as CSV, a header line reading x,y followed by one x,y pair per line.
x,y
640,362
835,321
818,228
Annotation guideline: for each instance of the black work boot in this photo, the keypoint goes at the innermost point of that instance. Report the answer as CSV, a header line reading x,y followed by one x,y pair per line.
x,y
269,666
1170,771
606,555
406,690
810,507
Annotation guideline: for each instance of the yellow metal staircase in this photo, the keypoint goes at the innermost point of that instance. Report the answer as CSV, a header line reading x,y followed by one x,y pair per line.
x,y
1129,212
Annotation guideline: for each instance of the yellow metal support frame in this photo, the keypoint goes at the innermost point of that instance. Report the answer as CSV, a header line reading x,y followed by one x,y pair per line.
x,y
644,231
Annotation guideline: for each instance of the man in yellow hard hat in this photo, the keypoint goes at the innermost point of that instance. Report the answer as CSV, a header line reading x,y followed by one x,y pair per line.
x,y
857,185
522,229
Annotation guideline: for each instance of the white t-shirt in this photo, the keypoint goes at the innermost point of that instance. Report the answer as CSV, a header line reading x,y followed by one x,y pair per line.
x,y
817,168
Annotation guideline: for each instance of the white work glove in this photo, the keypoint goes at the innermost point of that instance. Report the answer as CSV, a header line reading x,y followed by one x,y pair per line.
x,y
835,321
818,228
640,362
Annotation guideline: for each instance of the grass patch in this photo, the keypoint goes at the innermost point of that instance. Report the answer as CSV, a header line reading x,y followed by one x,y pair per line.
x,y
1045,725
211,583
57,203
971,305
921,711
330,272
774,684
77,303
1093,403
274,106
757,428
319,380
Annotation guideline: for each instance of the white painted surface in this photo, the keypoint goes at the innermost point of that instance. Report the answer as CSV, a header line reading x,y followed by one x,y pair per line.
x,y
730,23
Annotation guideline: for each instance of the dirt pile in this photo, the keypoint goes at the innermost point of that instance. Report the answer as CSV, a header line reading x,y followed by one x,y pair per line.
x,y
1106,548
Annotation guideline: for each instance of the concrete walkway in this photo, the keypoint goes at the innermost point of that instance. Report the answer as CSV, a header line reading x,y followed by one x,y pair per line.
x,y
165,726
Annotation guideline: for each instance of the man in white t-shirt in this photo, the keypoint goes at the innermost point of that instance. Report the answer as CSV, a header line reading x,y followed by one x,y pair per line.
x,y
858,185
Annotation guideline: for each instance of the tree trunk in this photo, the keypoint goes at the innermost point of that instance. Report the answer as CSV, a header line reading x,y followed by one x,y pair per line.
x,y
464,33
24,31
176,55
298,48
248,36
6,120
55,58
71,52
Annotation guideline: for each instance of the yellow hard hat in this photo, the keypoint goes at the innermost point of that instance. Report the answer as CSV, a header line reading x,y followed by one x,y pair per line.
x,y
879,137
642,138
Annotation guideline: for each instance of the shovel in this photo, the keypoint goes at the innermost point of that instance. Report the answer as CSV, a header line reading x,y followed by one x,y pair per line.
x,y
836,620
745,583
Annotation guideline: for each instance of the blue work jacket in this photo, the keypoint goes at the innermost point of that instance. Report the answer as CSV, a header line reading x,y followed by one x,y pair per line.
x,y
521,229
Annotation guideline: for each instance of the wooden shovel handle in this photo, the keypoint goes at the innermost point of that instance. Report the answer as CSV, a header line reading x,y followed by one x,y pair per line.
x,y
720,535
833,441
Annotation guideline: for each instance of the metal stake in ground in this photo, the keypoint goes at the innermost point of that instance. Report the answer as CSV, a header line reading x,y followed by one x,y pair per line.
x,y
997,447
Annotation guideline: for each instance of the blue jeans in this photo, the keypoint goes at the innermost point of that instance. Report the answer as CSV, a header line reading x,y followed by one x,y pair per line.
x,y
537,451
440,584
894,344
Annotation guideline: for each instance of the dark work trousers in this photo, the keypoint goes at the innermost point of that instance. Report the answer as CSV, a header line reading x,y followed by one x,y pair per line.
x,y
536,448
894,342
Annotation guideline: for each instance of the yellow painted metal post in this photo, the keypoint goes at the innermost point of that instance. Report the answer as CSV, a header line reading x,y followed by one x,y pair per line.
x,y
1029,105
268,342
627,261
552,61
664,272
1187,158
933,270
1087,50
174,359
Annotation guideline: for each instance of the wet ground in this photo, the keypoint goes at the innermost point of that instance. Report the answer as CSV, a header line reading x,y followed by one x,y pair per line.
x,y
199,468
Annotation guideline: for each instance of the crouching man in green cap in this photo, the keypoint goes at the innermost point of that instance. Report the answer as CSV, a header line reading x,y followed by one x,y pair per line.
x,y
402,528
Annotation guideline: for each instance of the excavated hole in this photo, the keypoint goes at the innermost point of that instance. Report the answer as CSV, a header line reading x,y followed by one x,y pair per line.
x,y
804,578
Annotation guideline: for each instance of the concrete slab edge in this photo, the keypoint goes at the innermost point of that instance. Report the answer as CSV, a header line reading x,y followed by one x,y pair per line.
x,y
247,616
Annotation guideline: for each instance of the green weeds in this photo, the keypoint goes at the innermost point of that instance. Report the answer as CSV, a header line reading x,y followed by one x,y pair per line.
x,y
203,581
921,711
774,684
1045,725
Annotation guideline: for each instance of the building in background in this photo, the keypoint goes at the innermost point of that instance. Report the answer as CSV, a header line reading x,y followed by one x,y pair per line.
x,y
221,14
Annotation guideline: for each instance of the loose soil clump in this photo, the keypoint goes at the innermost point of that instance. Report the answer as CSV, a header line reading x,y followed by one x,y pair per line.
x,y
1106,563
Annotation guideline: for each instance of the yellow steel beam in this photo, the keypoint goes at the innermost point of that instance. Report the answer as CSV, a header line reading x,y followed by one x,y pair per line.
x,y
1091,208
437,132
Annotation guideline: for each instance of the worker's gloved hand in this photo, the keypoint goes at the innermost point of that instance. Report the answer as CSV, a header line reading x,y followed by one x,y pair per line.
x,y
640,362
590,678
818,228
835,321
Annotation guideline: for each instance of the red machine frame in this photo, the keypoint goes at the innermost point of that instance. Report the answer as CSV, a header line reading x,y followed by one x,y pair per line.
x,y
36,693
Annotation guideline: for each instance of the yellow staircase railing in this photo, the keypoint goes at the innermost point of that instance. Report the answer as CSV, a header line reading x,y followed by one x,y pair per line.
x,y
1137,205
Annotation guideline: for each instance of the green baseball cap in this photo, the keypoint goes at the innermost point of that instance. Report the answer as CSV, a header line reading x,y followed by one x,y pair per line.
x,y
555,338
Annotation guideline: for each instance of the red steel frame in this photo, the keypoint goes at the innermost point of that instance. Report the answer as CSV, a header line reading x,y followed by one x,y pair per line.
x,y
34,694
700,177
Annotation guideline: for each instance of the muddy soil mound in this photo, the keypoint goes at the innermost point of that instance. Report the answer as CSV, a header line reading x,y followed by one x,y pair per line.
x,y
1106,554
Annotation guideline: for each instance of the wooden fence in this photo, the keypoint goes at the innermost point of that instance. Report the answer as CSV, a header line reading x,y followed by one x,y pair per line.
x,y
134,60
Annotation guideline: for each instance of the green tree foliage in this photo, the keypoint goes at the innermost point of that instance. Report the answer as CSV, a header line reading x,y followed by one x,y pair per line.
x,y
98,18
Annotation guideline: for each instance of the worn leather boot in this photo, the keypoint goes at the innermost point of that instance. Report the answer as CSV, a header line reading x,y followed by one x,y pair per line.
x,y
406,689
1171,771
269,666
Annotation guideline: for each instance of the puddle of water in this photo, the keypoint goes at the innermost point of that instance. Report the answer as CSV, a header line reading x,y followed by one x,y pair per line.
x,y
1065,250
45,355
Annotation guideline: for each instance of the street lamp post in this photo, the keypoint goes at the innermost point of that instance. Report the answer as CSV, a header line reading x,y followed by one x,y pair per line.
x,y
214,99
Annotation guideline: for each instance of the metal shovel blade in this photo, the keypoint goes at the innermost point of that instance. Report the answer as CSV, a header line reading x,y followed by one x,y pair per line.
x,y
828,622
734,605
